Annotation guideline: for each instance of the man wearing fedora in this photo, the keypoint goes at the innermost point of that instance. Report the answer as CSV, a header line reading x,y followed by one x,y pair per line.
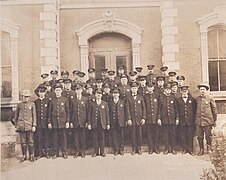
x,y
206,116
25,123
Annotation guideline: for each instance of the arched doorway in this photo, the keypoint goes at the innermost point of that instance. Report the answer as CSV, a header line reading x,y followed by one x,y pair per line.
x,y
109,50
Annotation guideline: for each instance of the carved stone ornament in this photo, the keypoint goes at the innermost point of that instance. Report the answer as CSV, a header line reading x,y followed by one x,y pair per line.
x,y
109,18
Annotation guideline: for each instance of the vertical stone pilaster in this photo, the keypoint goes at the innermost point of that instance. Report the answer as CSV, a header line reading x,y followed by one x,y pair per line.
x,y
204,47
136,55
169,33
84,58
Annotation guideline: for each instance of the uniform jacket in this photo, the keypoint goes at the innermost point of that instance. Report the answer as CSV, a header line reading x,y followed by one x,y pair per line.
x,y
125,91
79,110
137,109
151,78
50,95
42,109
159,89
142,90
91,81
206,112
186,110
104,115
59,112
118,112
90,98
168,110
107,97
152,107
53,82
25,116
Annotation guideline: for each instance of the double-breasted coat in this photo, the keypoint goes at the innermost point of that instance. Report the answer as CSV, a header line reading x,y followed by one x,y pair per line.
x,y
42,111
125,91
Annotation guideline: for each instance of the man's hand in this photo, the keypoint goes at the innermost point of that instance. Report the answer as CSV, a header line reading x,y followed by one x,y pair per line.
x,y
71,125
108,127
129,122
86,125
177,122
33,129
142,122
214,125
67,125
159,122
89,127
50,126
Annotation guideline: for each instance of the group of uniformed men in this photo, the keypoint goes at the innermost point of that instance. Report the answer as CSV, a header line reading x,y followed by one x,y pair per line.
x,y
112,104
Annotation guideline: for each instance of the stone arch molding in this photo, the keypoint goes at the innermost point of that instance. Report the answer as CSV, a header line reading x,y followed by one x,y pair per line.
x,y
13,30
218,17
109,23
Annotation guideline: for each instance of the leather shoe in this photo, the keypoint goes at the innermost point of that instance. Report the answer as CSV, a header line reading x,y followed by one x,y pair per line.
x,y
184,151
83,154
191,153
65,156
150,151
139,152
201,152
24,158
75,155
47,156
116,153
103,154
166,152
209,149
121,152
174,152
54,157
157,151
133,152
31,158
37,158
94,155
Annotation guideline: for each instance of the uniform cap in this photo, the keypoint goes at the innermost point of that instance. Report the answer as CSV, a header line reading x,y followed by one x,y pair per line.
x,y
174,83
78,86
91,70
167,86
172,73
45,75
99,91
54,72
160,78
75,72
99,80
150,84
134,84
66,81
142,78
58,85
132,73
150,67
164,68
180,78
41,88
104,70
205,85
184,88
81,74
60,81
138,69
26,92
120,67
106,85
64,73
123,76
87,86
111,72
115,91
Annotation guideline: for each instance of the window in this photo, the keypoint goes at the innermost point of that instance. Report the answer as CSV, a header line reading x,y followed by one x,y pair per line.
x,y
6,66
217,57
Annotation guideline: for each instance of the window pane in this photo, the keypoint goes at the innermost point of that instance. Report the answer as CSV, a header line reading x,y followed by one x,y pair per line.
x,y
5,48
121,61
213,76
223,75
212,44
6,82
222,43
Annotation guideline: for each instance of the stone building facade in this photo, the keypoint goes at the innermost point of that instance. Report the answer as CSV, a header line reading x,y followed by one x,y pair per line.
x,y
40,35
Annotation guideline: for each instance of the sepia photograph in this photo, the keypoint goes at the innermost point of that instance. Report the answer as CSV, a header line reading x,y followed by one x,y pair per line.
x,y
113,89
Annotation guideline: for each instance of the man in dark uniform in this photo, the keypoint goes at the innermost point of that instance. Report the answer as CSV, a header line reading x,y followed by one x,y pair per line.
x,y
160,81
186,109
49,93
81,80
79,110
43,134
172,76
92,76
53,74
107,96
99,84
180,80
175,90
44,77
132,77
99,122
64,75
151,100
120,71
206,117
124,88
142,90
104,75
151,77
76,79
136,117
58,120
61,81
168,117
111,81
139,71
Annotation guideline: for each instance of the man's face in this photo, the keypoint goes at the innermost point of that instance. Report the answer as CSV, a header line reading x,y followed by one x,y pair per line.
x,y
167,91
107,90
133,78
48,88
150,89
64,76
164,73
172,78
75,76
111,77
58,91
124,80
98,95
202,91
99,84
134,89
180,82
174,88
160,83
78,91
151,71
115,95
121,71
143,83
67,86
92,75
184,92
89,91
54,76
41,94
25,98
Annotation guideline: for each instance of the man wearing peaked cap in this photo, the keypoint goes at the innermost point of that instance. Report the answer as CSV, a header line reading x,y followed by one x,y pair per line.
x,y
180,80
151,99
125,89
142,90
44,76
136,117
120,71
54,74
151,77
104,75
206,117
91,76
172,76
64,74
76,79
139,71
107,96
81,80
160,81
186,109
112,81
133,76
164,69
118,112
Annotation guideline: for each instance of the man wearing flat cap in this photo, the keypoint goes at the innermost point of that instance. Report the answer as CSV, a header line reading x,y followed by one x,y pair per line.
x,y
98,122
118,111
151,99
58,121
186,109
25,123
168,117
136,117
43,134
92,77
206,116
151,77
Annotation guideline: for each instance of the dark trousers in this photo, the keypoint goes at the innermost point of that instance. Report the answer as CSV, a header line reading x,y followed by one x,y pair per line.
x,y
136,137
153,136
169,135
59,140
98,140
201,130
43,141
27,140
118,138
79,139
187,134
